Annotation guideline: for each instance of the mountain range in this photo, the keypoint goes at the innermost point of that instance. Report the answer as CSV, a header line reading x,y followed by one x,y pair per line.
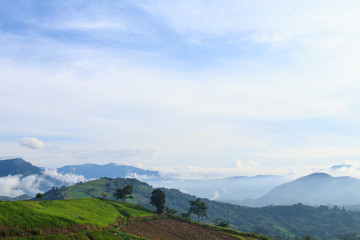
x,y
95,171
19,177
232,189
257,191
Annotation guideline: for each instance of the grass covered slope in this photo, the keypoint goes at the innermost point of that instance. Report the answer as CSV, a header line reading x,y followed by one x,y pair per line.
x,y
93,218
65,213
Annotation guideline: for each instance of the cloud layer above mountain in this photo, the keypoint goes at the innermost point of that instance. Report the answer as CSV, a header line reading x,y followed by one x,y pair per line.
x,y
15,185
180,83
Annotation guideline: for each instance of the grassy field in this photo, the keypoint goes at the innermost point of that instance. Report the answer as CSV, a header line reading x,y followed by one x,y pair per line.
x,y
65,213
93,218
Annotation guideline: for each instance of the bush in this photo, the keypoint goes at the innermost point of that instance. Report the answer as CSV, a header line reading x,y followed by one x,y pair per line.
x,y
36,231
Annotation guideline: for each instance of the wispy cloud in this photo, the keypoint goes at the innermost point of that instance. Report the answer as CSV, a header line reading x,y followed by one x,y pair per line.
x,y
311,153
232,80
66,178
15,185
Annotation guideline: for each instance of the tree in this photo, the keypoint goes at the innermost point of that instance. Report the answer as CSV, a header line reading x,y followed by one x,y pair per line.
x,y
103,195
198,207
158,200
308,237
170,210
221,223
124,193
39,196
186,215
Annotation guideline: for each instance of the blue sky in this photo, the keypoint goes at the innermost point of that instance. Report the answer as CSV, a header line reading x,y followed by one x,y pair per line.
x,y
209,88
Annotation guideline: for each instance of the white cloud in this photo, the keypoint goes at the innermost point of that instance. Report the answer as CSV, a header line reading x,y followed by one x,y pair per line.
x,y
289,61
346,168
140,177
30,142
9,186
262,20
15,185
238,168
310,153
67,178
216,195
91,25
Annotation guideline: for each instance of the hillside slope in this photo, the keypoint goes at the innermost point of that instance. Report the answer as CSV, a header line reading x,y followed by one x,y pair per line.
x,y
99,219
287,222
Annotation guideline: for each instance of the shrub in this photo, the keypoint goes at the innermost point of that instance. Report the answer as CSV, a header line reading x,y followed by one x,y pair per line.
x,y
36,231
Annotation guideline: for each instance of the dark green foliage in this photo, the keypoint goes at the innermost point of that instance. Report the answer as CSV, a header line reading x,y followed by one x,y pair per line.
x,y
170,211
39,196
124,193
186,215
221,223
198,207
157,199
36,231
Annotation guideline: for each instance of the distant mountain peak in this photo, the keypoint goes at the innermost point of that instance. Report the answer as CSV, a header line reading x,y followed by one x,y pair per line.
x,y
17,166
314,189
318,175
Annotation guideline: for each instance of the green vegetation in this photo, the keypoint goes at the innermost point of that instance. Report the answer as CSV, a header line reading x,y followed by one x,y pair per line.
x,y
96,212
39,196
123,193
157,199
282,222
92,218
198,207
77,218
221,223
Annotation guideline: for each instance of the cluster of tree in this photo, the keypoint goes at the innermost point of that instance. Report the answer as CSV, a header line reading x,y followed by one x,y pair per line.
x,y
157,199
124,193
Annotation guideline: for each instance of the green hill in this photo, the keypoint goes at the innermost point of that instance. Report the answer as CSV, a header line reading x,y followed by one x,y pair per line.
x,y
93,218
283,222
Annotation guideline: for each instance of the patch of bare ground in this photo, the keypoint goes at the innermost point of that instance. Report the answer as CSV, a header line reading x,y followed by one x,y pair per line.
x,y
64,231
167,228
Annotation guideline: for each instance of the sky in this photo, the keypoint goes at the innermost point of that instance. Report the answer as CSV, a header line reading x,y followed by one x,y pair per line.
x,y
200,87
